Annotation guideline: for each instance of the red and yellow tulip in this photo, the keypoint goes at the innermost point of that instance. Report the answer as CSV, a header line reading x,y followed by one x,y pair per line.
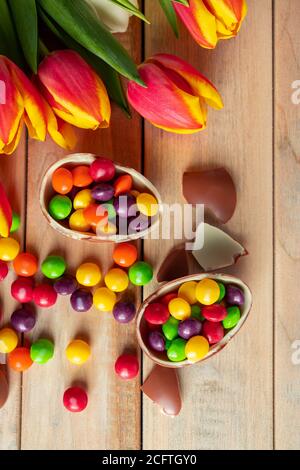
x,y
211,20
74,91
176,97
22,104
5,214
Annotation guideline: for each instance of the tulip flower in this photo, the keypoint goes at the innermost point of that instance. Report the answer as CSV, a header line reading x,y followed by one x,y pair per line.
x,y
211,20
22,104
5,214
115,18
176,96
74,91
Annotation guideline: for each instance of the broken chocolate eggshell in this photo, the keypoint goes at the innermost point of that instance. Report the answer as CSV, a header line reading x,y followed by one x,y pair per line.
x,y
175,265
213,188
162,387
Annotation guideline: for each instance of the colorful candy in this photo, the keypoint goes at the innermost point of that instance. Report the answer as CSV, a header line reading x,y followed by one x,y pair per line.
x,y
188,328
156,313
170,328
214,313
103,192
213,331
62,180
102,170
94,214
42,351
19,359
23,319
176,351
207,291
22,290
125,254
123,185
179,309
104,299
25,265
124,205
140,273
78,352
16,222
3,270
196,348
116,280
44,295
124,312
233,317
8,340
81,300
66,285
156,341
54,267
127,366
9,249
75,399
78,222
235,296
83,199
222,292
60,207
187,291
147,204
81,176
88,274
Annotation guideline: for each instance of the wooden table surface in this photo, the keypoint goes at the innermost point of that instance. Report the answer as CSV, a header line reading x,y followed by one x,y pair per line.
x,y
248,396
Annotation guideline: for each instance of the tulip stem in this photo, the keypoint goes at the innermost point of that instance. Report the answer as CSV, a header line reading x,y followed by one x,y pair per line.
x,y
44,51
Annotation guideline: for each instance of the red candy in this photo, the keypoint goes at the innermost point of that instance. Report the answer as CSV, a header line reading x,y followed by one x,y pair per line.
x,y
212,331
168,297
156,313
22,290
127,366
123,184
75,399
102,169
44,295
3,270
214,313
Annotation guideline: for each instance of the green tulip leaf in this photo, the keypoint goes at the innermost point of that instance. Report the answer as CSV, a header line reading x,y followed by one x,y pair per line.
x,y
76,18
127,5
9,45
110,77
25,18
170,13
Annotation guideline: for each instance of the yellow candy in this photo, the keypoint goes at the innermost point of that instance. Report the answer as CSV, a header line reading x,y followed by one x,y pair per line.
x,y
108,229
196,348
78,222
9,249
8,340
187,291
78,352
207,291
116,280
147,204
179,309
83,199
104,299
88,274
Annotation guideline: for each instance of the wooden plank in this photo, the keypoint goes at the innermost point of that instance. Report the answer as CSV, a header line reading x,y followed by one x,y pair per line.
x,y
12,175
228,400
112,420
287,225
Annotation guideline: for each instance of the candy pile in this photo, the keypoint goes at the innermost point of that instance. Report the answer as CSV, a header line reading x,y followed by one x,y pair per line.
x,y
184,324
95,199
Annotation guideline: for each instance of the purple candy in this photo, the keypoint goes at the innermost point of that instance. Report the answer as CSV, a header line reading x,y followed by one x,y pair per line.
x,y
123,205
103,192
234,296
156,341
124,312
188,328
66,285
81,300
23,319
138,223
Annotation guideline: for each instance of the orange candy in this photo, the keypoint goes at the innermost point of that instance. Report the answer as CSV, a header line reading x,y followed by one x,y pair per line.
x,y
62,180
123,185
125,254
94,215
81,176
25,265
19,359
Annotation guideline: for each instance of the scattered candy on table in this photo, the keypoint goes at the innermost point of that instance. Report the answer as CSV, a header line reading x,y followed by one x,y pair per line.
x,y
81,300
9,249
78,352
44,295
75,399
184,324
8,340
23,319
19,359
25,265
22,290
124,312
53,267
127,366
42,351
88,274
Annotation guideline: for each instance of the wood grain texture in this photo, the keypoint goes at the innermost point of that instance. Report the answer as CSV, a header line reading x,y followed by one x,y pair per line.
x,y
228,400
12,176
287,225
112,421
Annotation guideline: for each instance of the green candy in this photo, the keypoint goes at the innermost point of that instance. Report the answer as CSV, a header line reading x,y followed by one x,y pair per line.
x,y
60,207
109,207
222,292
170,328
16,222
140,273
167,344
233,317
54,267
196,313
42,351
176,351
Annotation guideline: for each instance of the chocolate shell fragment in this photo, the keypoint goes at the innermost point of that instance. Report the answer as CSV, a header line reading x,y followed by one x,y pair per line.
x,y
3,387
219,251
213,188
162,387
175,265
